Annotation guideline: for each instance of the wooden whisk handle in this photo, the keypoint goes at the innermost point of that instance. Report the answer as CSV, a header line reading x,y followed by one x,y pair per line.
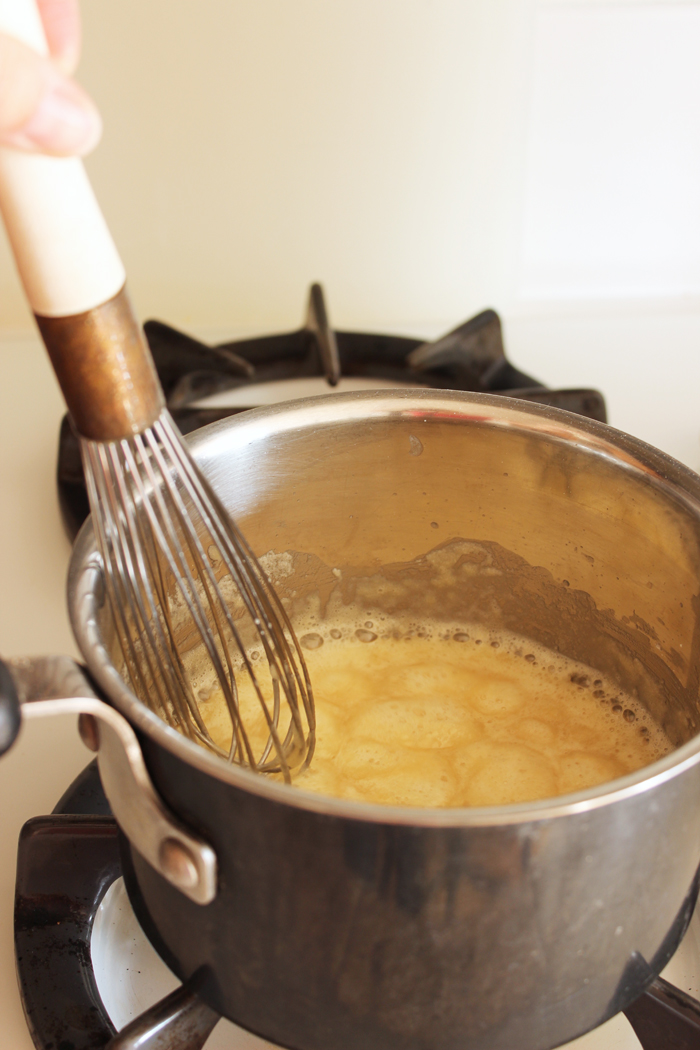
x,y
73,278
105,369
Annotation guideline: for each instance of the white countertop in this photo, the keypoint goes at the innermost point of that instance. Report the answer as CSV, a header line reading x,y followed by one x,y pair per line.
x,y
647,364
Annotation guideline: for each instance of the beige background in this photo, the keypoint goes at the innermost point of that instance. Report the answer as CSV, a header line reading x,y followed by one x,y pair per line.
x,y
251,148
422,158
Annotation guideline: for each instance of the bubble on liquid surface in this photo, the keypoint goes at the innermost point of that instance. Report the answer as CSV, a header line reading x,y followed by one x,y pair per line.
x,y
311,641
364,635
427,722
415,445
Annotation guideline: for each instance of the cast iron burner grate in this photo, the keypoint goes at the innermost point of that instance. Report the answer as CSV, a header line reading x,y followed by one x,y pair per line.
x,y
470,357
67,862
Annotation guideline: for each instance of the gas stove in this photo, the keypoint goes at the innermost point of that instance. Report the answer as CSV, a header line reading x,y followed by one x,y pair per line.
x,y
87,971
101,946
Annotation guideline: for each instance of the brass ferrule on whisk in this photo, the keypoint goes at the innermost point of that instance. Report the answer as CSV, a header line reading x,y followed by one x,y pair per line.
x,y
105,370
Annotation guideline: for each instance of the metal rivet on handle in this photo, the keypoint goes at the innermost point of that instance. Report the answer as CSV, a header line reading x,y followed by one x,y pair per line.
x,y
177,863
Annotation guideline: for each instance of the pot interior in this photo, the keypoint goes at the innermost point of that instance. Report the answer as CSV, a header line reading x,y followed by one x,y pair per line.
x,y
463,508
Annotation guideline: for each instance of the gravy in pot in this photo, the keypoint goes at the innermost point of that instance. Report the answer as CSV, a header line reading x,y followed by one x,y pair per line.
x,y
458,717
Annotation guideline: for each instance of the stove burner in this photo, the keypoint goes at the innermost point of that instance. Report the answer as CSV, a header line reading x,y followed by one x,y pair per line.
x,y
66,863
65,866
470,357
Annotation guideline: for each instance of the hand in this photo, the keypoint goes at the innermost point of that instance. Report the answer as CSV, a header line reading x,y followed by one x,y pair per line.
x,y
42,109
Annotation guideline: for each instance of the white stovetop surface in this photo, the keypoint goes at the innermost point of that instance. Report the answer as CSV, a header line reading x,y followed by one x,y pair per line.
x,y
646,363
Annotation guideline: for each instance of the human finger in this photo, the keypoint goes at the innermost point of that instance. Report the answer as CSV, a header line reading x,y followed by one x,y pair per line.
x,y
61,19
41,110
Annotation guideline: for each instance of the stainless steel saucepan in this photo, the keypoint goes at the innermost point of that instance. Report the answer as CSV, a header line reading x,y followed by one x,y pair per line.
x,y
325,924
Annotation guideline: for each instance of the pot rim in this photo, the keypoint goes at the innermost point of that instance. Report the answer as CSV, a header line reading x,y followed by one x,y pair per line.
x,y
678,482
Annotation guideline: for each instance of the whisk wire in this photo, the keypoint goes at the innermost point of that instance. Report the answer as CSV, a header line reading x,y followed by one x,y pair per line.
x,y
251,592
161,520
157,524
207,579
137,587
100,483
244,567
228,681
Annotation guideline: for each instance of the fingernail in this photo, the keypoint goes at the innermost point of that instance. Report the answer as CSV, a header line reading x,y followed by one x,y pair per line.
x,y
65,122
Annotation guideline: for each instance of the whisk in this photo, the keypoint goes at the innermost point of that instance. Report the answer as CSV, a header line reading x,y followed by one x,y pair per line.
x,y
190,602
168,550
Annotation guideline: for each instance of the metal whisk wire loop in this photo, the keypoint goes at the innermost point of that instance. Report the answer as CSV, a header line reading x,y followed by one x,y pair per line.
x,y
192,605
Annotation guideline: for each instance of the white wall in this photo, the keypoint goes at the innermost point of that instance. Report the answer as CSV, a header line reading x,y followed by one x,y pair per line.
x,y
423,158
611,206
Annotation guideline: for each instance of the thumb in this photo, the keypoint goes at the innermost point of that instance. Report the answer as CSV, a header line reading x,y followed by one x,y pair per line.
x,y
41,110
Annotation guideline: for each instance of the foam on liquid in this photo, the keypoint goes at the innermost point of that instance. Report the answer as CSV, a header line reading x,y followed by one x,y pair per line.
x,y
463,717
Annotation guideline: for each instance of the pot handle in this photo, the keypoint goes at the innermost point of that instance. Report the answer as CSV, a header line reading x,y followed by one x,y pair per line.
x,y
52,685
10,718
